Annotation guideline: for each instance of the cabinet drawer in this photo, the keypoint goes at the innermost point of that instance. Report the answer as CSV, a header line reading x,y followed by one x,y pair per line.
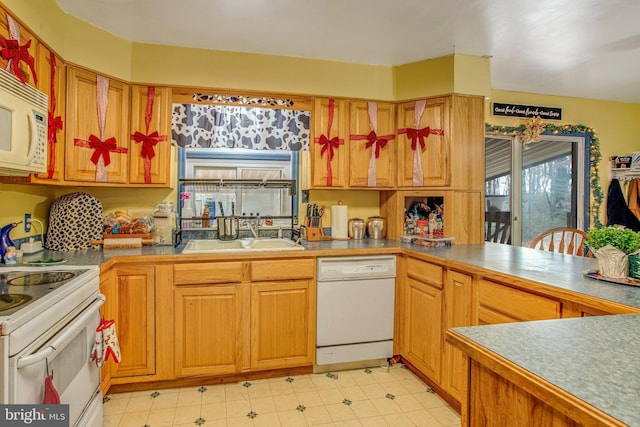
x,y
503,304
283,269
425,272
211,272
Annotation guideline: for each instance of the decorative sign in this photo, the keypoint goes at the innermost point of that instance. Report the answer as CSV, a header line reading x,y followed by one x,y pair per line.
x,y
515,110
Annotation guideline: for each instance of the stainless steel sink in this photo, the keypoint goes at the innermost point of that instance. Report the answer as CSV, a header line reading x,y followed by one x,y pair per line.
x,y
241,245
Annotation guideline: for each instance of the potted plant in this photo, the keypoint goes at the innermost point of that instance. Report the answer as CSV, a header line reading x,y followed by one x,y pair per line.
x,y
612,246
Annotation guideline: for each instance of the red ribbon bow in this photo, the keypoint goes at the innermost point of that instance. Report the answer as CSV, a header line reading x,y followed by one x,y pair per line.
x,y
12,51
329,145
379,141
102,149
55,124
418,135
148,142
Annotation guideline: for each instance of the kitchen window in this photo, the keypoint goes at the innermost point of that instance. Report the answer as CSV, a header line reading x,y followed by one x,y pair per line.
x,y
241,137
238,163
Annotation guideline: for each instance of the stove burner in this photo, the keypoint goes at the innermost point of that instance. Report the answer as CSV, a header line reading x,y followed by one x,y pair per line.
x,y
9,301
44,278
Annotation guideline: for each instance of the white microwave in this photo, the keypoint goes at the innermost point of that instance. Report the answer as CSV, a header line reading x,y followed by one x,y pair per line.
x,y
23,127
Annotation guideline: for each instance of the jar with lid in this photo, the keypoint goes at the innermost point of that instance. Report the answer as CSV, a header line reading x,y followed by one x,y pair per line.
x,y
164,221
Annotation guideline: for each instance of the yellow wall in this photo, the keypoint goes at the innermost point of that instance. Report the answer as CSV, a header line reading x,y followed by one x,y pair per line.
x,y
233,70
617,124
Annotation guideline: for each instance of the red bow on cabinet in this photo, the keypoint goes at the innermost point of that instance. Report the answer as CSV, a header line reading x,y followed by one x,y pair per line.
x,y
418,135
372,139
12,51
103,148
148,142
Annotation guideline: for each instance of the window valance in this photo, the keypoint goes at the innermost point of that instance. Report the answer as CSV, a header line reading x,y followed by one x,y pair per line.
x,y
226,126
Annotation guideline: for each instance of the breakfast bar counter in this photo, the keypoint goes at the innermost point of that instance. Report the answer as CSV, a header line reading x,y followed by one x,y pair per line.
x,y
582,370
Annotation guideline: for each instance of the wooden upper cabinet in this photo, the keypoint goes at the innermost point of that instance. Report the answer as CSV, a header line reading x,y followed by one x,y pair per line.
x,y
87,139
25,37
336,175
57,90
363,145
433,162
150,164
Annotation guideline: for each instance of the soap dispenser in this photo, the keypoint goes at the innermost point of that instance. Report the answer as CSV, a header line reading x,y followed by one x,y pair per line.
x,y
7,247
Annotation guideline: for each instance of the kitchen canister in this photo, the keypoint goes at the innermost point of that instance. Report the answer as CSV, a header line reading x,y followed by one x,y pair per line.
x,y
357,228
339,221
377,227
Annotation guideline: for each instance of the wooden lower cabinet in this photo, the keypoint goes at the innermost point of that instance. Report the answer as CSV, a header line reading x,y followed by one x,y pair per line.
x,y
242,316
283,324
133,307
458,291
210,324
422,319
496,401
499,303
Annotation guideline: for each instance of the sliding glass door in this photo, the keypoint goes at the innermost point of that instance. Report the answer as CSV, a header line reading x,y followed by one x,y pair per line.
x,y
533,187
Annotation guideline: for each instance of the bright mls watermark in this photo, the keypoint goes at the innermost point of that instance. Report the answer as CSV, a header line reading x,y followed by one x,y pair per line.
x,y
34,415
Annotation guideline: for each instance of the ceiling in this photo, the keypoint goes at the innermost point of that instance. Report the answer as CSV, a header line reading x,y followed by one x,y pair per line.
x,y
577,48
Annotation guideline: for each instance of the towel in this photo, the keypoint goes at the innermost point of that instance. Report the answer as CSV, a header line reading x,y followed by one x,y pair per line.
x,y
51,395
634,197
618,213
106,343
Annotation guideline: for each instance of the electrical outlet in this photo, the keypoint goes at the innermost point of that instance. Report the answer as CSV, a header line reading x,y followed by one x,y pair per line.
x,y
27,222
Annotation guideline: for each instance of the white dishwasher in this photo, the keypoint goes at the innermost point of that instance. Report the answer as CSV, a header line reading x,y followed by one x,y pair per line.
x,y
355,308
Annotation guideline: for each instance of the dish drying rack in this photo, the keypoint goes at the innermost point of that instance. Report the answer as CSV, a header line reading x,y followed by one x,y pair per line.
x,y
208,186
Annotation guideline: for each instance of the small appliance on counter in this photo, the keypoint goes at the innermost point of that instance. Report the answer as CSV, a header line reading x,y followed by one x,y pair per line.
x,y
75,221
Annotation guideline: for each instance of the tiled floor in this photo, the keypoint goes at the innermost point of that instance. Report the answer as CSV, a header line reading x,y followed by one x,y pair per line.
x,y
363,397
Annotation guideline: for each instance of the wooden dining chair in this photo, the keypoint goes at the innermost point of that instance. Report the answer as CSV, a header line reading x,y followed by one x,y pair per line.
x,y
563,240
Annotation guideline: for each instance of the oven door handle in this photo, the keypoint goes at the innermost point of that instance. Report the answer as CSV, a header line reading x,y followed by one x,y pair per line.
x,y
60,340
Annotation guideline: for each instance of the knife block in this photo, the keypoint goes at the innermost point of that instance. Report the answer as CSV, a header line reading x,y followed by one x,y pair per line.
x,y
312,233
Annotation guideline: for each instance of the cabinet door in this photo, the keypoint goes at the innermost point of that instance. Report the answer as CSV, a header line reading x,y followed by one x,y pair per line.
x,y
208,329
283,324
83,125
330,171
423,327
432,163
503,304
55,151
457,308
365,168
133,302
150,164
25,36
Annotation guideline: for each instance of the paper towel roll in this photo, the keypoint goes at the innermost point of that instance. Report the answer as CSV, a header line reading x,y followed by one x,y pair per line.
x,y
339,221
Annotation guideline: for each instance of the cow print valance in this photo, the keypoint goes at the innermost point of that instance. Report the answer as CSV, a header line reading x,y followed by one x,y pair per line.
x,y
225,126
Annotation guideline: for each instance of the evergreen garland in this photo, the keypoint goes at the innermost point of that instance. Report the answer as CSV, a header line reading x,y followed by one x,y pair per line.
x,y
594,156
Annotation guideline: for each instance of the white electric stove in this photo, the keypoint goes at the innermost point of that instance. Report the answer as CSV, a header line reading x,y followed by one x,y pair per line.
x,y
48,317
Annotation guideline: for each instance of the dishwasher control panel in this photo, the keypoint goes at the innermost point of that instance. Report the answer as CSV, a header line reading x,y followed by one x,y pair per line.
x,y
356,267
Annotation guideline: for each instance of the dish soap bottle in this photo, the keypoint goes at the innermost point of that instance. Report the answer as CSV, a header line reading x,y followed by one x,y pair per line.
x,y
187,215
205,216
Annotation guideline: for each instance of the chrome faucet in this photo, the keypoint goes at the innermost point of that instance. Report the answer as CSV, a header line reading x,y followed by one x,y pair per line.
x,y
254,225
